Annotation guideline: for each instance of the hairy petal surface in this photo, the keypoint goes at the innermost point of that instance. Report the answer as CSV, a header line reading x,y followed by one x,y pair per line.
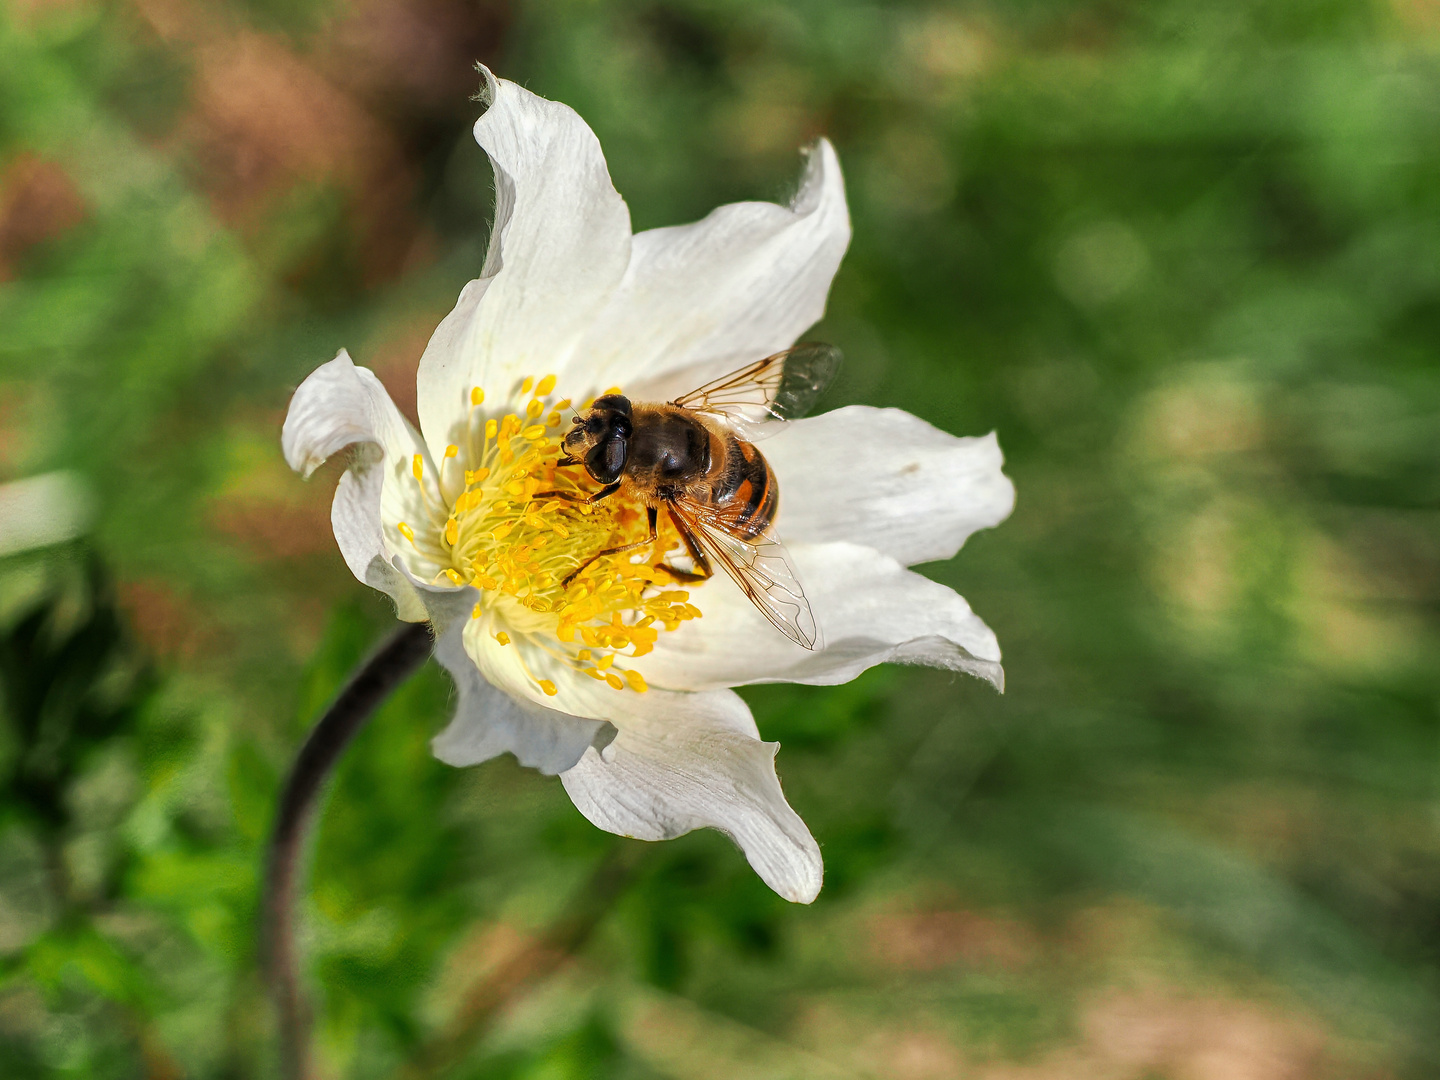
x,y
691,761
700,299
889,480
338,406
560,246
871,609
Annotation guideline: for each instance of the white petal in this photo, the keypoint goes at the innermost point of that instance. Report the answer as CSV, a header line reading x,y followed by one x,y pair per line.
x,y
682,762
355,517
885,478
871,610
702,298
489,722
341,405
559,247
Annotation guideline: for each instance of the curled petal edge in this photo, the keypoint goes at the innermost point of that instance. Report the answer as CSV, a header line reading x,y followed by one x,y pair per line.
x,y
670,774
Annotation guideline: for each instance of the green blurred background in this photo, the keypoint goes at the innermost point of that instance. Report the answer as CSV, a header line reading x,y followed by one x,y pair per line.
x,y
1184,255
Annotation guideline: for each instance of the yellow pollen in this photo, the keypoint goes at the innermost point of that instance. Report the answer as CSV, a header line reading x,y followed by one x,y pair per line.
x,y
525,386
548,687
417,466
451,450
562,404
406,531
521,532
477,396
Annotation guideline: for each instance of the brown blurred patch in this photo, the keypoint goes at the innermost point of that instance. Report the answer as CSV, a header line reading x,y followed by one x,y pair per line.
x,y
16,425
265,507
265,121
270,529
38,202
168,624
931,940
29,12
412,60
1201,1038
395,358
911,1054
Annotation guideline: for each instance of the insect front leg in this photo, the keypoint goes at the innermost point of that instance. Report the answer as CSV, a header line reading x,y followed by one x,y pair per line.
x,y
698,558
653,514
586,500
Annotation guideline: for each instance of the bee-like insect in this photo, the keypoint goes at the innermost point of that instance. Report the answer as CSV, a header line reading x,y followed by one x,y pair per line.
x,y
695,457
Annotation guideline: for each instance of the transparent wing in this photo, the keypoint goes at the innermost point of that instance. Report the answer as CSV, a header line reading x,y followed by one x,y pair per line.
x,y
761,567
780,387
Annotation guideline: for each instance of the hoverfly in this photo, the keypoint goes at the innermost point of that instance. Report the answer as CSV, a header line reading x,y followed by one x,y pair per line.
x,y
695,457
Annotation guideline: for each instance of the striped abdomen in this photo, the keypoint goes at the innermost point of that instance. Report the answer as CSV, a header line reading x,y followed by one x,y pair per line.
x,y
745,494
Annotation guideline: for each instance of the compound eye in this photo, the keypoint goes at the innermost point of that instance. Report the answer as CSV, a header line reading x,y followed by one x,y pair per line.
x,y
606,460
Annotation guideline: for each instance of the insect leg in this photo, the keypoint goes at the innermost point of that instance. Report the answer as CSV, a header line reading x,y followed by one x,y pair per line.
x,y
701,563
653,514
570,496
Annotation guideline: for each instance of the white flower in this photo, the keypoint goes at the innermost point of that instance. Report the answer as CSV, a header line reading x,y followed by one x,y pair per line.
x,y
621,684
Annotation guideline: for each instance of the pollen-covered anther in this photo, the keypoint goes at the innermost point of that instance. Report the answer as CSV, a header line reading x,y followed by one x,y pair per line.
x,y
522,526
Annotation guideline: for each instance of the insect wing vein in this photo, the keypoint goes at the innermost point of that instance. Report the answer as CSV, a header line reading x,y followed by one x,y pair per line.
x,y
780,387
761,568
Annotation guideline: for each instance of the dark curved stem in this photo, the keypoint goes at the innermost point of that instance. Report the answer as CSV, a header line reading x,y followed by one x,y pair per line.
x,y
376,679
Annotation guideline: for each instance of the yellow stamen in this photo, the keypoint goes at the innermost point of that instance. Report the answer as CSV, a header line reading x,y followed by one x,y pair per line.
x,y
612,390
548,687
406,531
497,536
525,386
417,466
477,396
451,450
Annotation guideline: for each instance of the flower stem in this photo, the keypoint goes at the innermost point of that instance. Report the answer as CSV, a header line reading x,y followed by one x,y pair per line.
x,y
375,680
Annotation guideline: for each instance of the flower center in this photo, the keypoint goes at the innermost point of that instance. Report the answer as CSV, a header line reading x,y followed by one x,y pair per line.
x,y
518,528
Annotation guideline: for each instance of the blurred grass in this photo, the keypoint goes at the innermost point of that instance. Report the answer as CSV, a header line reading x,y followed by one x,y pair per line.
x,y
1185,258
